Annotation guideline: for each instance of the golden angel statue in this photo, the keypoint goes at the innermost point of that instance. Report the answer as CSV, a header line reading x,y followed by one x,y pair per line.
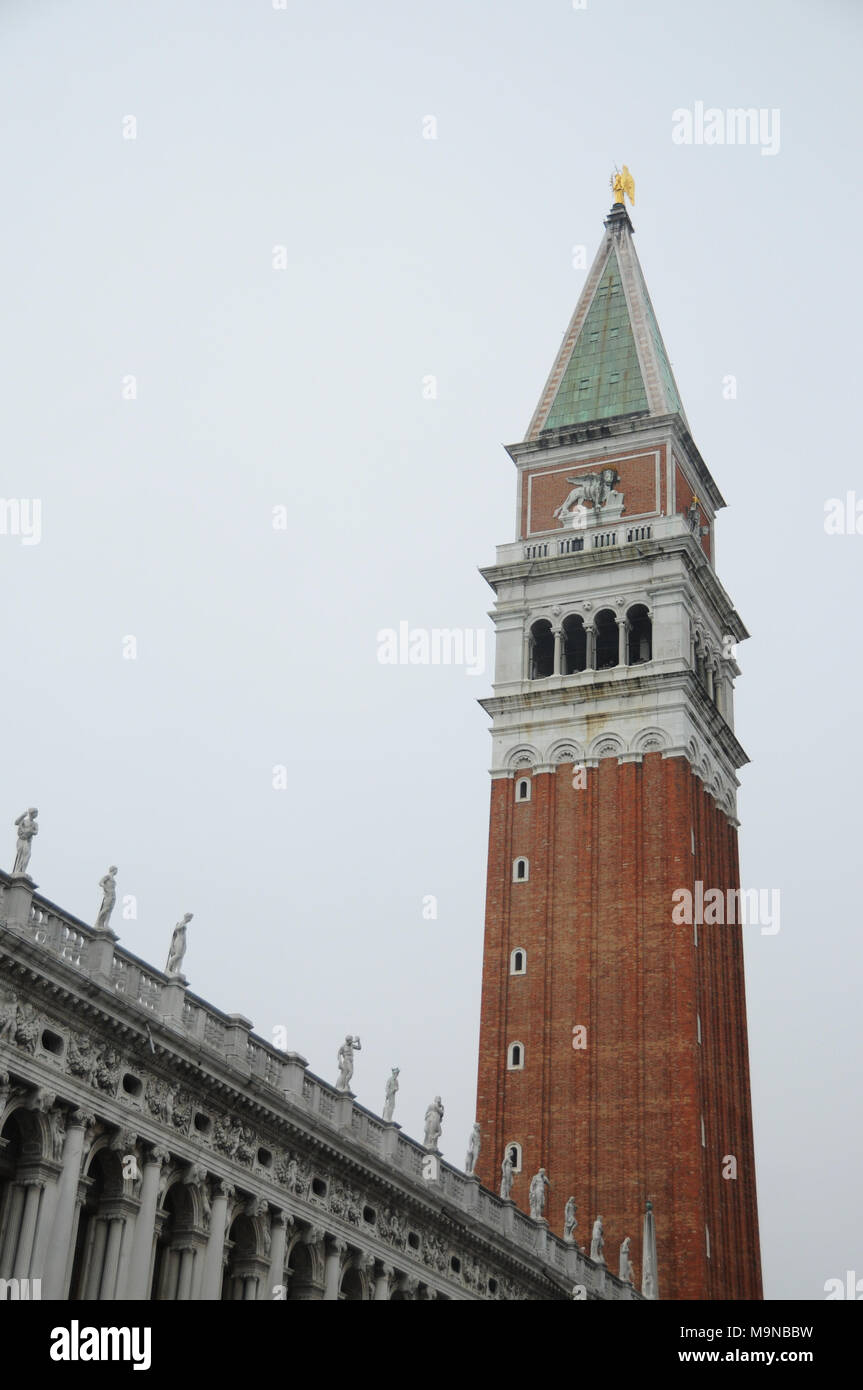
x,y
623,183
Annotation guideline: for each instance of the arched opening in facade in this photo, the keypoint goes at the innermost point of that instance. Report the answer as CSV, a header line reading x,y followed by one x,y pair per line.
x,y
247,1267
574,645
11,1193
607,640
640,636
177,1267
541,650
352,1290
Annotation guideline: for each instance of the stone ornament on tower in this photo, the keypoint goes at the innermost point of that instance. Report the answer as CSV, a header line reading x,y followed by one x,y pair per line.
x,y
178,946
27,829
472,1154
597,1242
390,1094
345,1059
433,1124
109,896
625,1263
538,1183
507,1172
569,1220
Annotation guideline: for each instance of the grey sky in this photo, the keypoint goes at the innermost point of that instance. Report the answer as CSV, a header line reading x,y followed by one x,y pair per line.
x,y
409,257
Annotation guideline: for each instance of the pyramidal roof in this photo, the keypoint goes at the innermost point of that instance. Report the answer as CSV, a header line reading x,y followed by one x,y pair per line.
x,y
612,360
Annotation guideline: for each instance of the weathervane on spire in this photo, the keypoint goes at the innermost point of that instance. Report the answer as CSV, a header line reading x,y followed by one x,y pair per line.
x,y
623,183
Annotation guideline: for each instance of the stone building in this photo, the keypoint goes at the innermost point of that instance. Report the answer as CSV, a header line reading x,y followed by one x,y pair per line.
x,y
152,1147
614,780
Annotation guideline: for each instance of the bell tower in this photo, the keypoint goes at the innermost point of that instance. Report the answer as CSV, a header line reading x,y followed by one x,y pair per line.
x,y
613,1042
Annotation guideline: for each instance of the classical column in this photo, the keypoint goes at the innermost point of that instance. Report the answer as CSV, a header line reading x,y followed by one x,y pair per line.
x,y
590,647
526,657
61,1240
709,680
96,1259
558,649
34,1186
278,1236
382,1283
184,1283
138,1281
108,1285
13,1226
212,1286
622,634
332,1269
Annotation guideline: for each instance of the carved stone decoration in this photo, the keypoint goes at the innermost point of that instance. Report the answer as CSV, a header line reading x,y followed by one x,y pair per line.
x,y
107,1071
27,1028
625,1263
178,946
27,830
390,1094
597,1242
345,1059
181,1111
159,1099
81,1057
569,1220
596,488
507,1172
109,897
433,1124
538,1183
8,1017
473,1148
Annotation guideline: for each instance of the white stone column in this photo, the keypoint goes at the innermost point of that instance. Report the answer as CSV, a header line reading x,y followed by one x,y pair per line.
x,y
184,1282
526,657
137,1284
13,1227
212,1286
622,634
333,1268
96,1258
558,649
278,1236
55,1282
382,1283
32,1198
108,1285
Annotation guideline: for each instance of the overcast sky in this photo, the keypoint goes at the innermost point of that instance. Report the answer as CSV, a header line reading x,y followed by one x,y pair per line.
x,y
306,387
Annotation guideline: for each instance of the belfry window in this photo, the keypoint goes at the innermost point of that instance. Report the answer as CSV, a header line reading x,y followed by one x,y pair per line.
x,y
541,650
514,1151
574,645
607,641
520,870
518,961
640,637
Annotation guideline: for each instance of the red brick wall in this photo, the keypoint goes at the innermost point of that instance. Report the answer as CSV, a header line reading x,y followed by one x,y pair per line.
x,y
620,1121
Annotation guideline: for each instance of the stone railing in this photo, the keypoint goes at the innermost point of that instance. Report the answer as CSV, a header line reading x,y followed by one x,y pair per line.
x,y
575,541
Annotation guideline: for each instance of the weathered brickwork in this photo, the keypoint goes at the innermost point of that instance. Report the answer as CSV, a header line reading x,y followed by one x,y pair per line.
x,y
619,1119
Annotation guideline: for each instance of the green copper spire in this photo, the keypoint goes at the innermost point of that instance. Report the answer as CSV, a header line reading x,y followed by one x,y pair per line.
x,y
603,376
612,360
